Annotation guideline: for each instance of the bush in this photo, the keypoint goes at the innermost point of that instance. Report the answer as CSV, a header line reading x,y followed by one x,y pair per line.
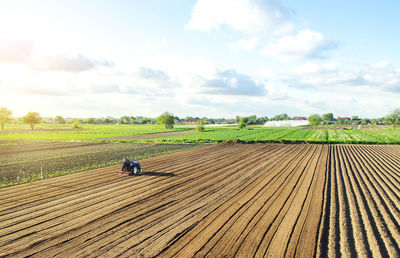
x,y
76,124
242,123
314,120
166,119
200,125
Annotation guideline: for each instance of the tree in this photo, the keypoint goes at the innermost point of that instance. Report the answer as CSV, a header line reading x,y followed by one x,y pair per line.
x,y
200,125
109,120
262,120
327,117
146,120
242,122
252,120
125,120
59,120
365,121
76,123
48,120
355,120
314,120
394,118
5,116
32,118
90,120
281,117
166,119
177,119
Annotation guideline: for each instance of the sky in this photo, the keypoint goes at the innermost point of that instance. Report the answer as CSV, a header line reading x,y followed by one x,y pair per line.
x,y
213,58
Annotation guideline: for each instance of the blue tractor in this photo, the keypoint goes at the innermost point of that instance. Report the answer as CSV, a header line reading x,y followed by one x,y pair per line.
x,y
131,167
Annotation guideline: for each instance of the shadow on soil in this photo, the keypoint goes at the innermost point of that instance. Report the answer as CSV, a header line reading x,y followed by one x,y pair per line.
x,y
153,173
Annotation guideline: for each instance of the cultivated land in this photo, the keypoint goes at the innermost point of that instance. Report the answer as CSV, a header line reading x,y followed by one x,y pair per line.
x,y
184,134
29,160
244,200
260,134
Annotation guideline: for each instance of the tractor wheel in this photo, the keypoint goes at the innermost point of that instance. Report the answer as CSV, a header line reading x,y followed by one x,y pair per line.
x,y
135,170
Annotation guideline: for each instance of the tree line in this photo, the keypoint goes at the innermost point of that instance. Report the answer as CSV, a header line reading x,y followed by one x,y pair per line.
x,y
392,119
168,119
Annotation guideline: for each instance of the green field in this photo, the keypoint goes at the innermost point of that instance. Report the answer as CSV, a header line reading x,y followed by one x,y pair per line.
x,y
110,133
383,135
85,133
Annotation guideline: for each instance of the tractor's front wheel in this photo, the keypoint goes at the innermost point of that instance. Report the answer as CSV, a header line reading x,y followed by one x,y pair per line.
x,y
135,170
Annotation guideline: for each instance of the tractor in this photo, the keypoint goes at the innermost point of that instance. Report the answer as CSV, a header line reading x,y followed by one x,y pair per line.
x,y
130,168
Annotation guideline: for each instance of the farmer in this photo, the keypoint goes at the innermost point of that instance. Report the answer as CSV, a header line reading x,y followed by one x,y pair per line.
x,y
126,165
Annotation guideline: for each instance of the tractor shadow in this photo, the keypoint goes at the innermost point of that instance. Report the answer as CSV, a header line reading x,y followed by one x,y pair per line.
x,y
153,173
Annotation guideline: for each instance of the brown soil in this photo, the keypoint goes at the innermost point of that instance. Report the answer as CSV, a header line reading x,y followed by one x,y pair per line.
x,y
220,200
361,210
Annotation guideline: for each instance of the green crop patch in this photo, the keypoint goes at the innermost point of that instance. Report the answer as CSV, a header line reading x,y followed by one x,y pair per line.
x,y
86,133
287,135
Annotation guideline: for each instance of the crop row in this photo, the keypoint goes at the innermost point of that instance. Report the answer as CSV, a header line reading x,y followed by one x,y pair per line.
x,y
33,163
88,133
289,135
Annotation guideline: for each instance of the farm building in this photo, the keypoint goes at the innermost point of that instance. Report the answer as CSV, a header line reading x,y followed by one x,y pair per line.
x,y
288,123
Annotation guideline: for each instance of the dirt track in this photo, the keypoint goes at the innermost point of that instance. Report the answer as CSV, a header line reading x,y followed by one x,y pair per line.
x,y
244,200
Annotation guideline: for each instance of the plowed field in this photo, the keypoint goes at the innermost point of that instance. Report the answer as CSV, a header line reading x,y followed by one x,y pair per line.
x,y
220,200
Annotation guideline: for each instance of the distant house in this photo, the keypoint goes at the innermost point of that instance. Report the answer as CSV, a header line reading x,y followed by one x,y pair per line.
x,y
189,122
286,123
299,118
344,118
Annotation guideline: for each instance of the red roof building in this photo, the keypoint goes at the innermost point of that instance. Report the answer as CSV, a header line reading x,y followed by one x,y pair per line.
x,y
299,118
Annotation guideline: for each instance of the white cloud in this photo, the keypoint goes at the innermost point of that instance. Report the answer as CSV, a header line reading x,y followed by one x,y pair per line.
x,y
67,63
246,44
247,16
15,51
376,78
313,68
24,52
229,82
306,44
151,74
383,64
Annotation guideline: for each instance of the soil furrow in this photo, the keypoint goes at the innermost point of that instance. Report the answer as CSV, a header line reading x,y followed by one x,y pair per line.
x,y
202,228
218,200
86,211
378,213
362,224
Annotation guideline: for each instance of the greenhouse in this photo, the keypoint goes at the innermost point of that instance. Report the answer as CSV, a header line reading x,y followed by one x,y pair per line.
x,y
287,123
